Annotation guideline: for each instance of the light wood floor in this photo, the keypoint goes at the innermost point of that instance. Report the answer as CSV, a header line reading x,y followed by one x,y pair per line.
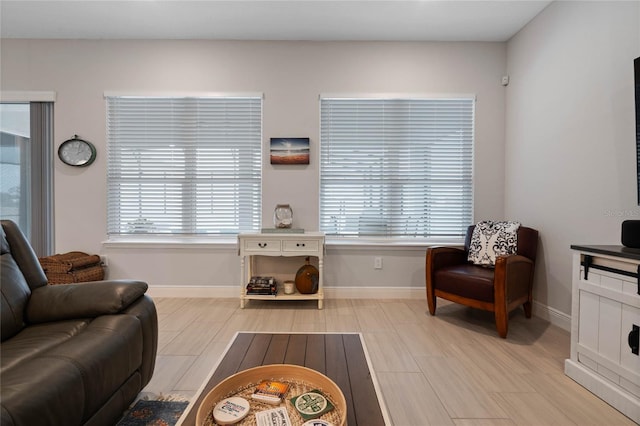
x,y
451,369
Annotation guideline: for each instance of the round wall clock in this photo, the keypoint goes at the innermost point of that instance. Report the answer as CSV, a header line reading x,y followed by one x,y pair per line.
x,y
77,152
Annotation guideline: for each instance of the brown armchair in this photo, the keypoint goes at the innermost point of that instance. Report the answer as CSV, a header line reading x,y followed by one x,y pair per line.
x,y
500,290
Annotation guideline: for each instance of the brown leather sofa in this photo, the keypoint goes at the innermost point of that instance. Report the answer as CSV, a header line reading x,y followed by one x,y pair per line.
x,y
72,354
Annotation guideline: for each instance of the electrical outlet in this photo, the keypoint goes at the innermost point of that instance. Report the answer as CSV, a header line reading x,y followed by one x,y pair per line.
x,y
104,260
377,263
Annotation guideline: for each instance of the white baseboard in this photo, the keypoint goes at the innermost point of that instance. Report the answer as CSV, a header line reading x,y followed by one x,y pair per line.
x,y
193,291
552,315
375,293
329,292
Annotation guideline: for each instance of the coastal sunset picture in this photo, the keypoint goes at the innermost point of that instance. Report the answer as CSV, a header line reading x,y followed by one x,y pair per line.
x,y
289,150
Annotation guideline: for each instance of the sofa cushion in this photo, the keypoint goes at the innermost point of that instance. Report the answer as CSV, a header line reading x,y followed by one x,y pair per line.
x,y
37,340
43,391
492,239
15,293
467,280
69,382
107,352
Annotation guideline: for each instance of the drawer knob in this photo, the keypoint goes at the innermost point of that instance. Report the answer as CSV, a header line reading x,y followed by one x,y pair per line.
x,y
262,245
300,245
634,338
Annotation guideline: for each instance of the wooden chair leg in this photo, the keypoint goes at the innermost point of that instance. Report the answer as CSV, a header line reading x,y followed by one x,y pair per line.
x,y
527,309
431,294
502,320
431,298
431,301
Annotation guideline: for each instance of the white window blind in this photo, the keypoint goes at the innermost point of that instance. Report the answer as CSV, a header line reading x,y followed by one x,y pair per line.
x,y
396,167
184,165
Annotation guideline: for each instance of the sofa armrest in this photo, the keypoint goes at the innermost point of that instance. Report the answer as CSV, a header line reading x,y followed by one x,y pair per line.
x,y
514,274
83,300
437,258
145,310
441,257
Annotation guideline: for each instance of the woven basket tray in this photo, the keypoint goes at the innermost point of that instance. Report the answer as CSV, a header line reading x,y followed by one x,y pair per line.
x,y
300,379
92,273
63,263
72,267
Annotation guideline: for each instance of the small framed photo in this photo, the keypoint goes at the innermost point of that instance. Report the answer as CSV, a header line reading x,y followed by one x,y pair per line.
x,y
289,151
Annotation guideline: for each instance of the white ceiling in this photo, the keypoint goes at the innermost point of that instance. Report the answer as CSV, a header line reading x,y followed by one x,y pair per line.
x,y
395,20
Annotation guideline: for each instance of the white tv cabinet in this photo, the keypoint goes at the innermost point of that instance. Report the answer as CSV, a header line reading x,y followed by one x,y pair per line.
x,y
276,244
604,325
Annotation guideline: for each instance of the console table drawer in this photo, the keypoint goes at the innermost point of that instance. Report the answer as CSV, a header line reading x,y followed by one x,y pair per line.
x,y
301,245
261,246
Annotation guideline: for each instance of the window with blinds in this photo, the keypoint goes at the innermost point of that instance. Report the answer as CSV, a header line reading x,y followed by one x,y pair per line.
x,y
184,165
396,167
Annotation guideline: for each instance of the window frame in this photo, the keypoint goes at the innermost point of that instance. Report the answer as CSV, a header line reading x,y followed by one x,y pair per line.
x,y
40,210
190,172
381,239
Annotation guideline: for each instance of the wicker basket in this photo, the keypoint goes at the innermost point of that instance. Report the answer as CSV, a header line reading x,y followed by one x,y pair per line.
x,y
301,379
72,267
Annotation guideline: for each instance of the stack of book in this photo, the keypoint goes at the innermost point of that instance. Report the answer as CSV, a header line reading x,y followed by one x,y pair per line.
x,y
263,286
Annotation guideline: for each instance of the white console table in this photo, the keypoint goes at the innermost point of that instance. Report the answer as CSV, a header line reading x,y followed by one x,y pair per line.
x,y
251,245
604,325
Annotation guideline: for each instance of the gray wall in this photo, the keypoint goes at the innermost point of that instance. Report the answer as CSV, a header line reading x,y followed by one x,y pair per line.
x,y
291,75
560,156
570,138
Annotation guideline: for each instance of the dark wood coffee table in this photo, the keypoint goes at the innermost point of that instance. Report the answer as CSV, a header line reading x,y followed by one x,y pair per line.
x,y
340,357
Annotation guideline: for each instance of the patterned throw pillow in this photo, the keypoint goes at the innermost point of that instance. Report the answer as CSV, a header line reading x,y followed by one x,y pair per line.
x,y
491,239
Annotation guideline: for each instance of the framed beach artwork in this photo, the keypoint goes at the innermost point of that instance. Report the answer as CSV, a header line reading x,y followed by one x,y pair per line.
x,y
289,150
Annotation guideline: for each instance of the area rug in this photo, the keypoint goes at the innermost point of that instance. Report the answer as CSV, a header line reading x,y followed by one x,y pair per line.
x,y
153,413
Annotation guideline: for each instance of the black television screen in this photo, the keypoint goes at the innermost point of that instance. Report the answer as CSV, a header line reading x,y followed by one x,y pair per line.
x,y
636,66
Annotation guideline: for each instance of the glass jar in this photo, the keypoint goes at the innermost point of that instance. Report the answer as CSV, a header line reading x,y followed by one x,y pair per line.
x,y
283,216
